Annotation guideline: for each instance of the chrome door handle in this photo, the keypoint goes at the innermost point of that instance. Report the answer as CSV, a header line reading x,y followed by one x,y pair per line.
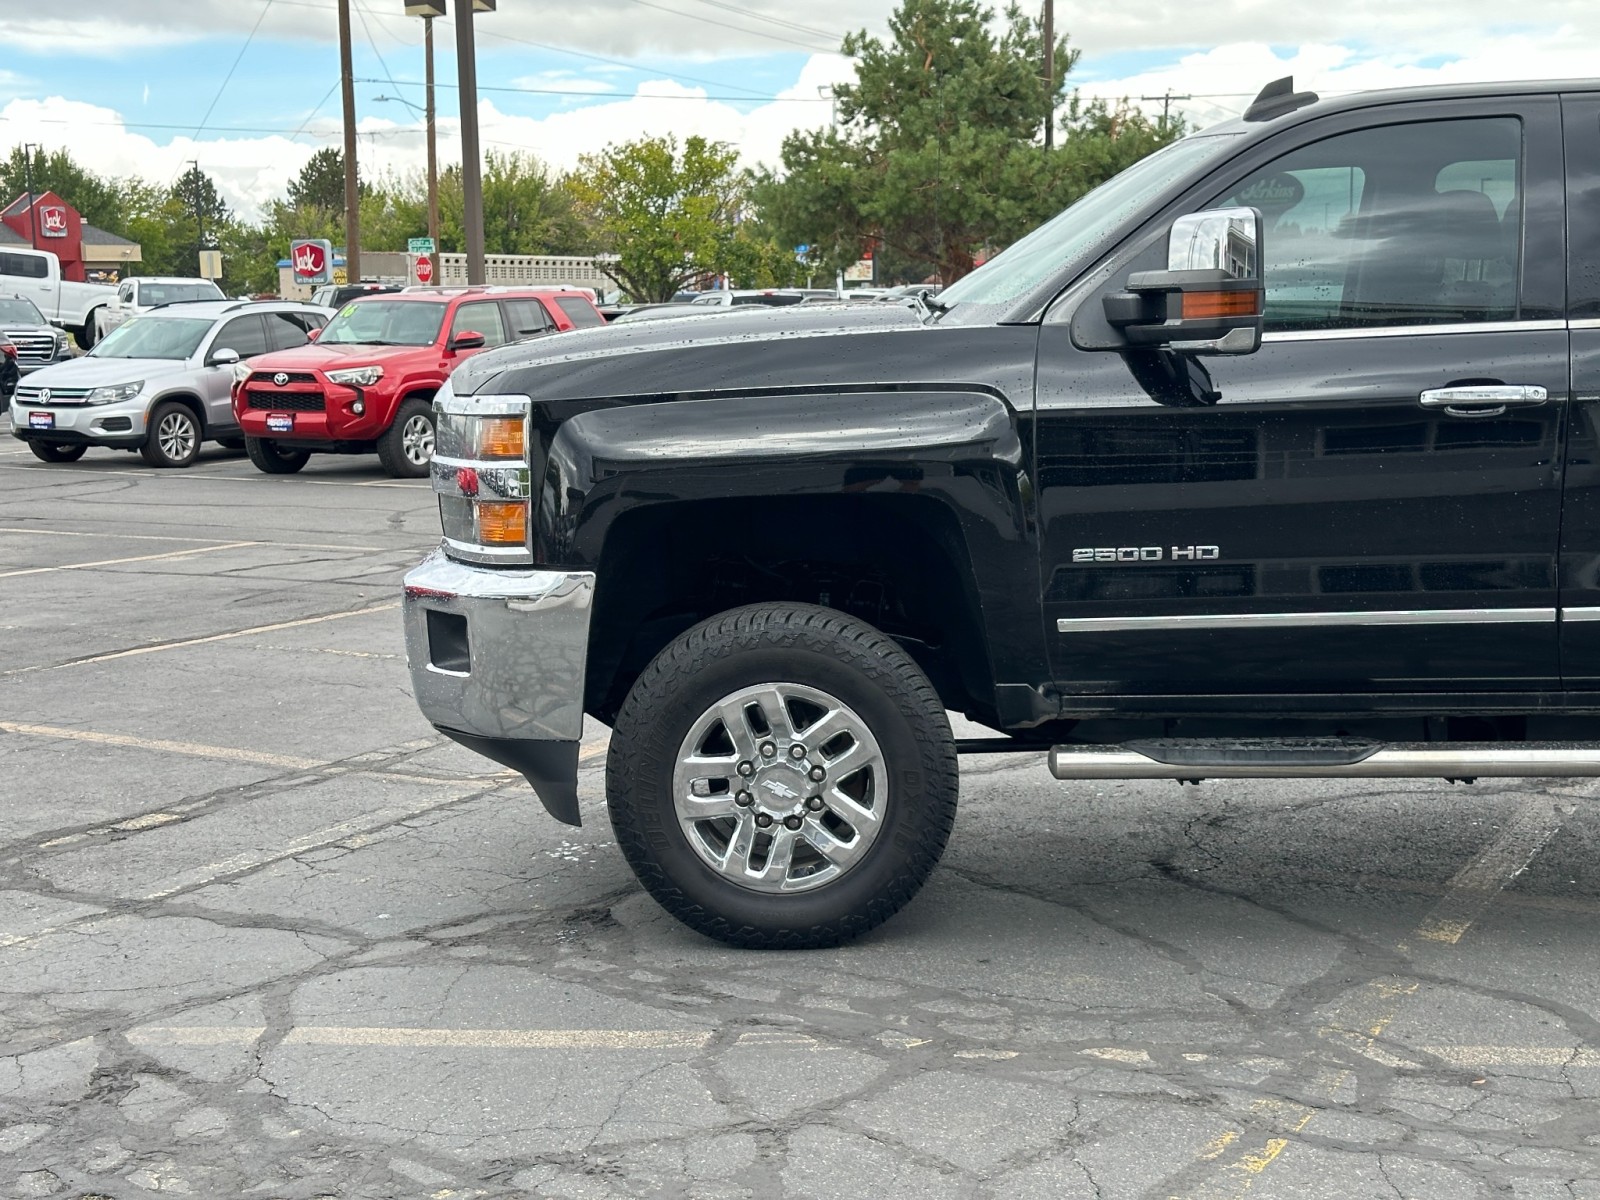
x,y
1484,400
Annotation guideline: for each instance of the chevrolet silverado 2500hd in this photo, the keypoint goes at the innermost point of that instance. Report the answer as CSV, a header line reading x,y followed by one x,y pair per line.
x,y
1278,455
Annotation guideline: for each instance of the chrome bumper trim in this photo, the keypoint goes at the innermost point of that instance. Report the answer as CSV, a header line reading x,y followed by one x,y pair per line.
x,y
1291,620
527,636
1422,760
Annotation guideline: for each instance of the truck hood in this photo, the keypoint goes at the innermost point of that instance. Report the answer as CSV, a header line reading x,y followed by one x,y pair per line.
x,y
334,357
744,347
92,372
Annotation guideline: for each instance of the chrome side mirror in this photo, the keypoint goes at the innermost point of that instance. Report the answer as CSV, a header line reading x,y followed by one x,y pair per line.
x,y
1210,299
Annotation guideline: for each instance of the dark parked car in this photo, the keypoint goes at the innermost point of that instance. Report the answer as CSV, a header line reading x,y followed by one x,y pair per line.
x,y
34,342
337,295
1276,456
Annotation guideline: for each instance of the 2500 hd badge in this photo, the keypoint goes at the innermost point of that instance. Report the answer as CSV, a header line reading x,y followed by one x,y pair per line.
x,y
1130,554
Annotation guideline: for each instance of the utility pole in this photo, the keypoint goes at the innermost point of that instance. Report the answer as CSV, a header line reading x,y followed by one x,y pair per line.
x,y
27,175
471,163
352,191
199,216
1050,73
433,156
1166,104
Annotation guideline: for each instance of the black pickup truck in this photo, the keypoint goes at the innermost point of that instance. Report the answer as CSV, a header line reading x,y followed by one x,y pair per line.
x,y
1278,455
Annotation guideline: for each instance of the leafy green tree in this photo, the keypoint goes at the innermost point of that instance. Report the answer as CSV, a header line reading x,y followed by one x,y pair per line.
x,y
57,171
667,216
936,154
320,183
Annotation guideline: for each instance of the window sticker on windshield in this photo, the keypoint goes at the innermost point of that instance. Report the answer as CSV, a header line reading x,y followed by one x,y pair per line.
x,y
347,310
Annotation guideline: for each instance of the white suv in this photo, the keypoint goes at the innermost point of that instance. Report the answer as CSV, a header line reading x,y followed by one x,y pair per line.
x,y
159,383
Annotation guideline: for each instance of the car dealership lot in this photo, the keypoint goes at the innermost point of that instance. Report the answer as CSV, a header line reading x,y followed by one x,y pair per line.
x,y
263,932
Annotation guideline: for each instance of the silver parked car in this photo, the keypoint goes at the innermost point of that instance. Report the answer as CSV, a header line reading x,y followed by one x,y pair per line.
x,y
160,383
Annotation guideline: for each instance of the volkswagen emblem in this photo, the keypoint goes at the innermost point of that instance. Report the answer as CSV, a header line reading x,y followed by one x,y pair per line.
x,y
44,395
280,379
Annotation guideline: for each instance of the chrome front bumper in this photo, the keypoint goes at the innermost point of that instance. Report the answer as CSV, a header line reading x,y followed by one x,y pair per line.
x,y
497,660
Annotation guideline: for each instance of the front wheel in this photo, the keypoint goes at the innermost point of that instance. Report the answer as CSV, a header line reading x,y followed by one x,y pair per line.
x,y
782,776
274,459
406,447
173,436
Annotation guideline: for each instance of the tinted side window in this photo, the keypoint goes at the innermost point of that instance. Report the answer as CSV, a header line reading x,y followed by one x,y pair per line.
x,y
24,265
481,317
1415,224
580,312
287,330
244,335
527,318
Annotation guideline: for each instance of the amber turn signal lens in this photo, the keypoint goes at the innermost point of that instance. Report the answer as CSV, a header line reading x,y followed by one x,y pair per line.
x,y
1208,306
501,437
502,523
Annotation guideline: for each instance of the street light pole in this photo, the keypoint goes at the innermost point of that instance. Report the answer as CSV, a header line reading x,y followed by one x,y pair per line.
x,y
471,165
433,155
352,191
1050,73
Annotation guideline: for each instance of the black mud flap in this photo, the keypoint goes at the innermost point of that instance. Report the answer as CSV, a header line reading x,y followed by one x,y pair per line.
x,y
551,767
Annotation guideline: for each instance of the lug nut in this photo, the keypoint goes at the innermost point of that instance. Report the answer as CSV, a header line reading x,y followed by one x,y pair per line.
x,y
797,751
747,769
744,799
817,774
763,820
769,750
791,822
814,804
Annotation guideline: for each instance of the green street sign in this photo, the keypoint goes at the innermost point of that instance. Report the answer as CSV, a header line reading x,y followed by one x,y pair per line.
x,y
419,246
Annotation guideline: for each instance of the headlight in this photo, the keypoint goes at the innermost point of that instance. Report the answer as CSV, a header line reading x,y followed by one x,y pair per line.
x,y
241,372
63,347
356,376
114,395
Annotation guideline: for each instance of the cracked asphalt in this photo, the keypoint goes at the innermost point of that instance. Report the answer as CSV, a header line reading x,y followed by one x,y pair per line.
x,y
264,933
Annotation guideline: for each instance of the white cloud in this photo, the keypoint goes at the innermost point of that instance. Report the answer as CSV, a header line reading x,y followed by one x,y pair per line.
x,y
1223,80
252,170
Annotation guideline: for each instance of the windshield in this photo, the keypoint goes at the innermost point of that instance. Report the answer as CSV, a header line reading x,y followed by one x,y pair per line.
x,y
153,337
1029,263
20,312
385,323
151,294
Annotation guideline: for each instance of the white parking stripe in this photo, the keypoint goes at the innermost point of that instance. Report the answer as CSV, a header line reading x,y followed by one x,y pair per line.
x,y
116,562
188,749
162,537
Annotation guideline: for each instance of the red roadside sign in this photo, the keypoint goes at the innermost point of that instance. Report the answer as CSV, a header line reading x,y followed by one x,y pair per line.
x,y
424,269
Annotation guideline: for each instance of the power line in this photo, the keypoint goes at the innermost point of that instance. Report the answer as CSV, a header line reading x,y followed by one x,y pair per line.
x,y
229,77
795,25
612,95
776,37
312,115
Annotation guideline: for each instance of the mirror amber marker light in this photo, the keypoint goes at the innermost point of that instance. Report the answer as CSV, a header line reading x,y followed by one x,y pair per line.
x,y
1208,306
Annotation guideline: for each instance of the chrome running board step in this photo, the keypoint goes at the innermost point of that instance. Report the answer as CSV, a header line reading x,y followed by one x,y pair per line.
x,y
1323,758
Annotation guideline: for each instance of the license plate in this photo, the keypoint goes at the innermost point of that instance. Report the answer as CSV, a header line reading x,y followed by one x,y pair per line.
x,y
280,423
41,420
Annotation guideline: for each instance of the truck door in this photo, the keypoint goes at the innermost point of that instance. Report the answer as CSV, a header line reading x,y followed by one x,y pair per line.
x,y
1580,526
1371,502
29,275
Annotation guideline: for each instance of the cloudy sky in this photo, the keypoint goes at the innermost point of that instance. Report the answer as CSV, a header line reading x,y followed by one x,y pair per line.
x,y
248,88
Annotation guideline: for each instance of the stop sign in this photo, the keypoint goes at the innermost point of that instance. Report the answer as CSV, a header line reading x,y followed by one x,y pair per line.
x,y
424,268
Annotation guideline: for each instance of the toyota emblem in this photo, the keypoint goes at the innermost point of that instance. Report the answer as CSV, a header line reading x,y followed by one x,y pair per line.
x,y
44,395
280,379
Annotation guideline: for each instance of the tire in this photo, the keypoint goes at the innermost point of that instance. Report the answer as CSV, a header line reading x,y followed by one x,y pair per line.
x,y
406,447
272,458
51,453
172,436
88,333
673,818
231,443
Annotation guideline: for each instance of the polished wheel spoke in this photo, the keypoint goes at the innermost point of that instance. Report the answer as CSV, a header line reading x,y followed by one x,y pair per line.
x,y
851,809
840,853
775,708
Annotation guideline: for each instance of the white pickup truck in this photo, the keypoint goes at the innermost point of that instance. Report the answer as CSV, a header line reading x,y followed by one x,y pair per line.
x,y
36,275
140,293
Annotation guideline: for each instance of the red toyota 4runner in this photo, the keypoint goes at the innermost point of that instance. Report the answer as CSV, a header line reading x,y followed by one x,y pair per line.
x,y
367,383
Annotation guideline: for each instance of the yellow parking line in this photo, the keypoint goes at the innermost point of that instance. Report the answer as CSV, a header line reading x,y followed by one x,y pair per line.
x,y
1361,1021
114,562
190,749
216,637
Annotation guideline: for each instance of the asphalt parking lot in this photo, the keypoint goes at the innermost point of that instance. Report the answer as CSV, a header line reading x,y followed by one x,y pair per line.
x,y
264,933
